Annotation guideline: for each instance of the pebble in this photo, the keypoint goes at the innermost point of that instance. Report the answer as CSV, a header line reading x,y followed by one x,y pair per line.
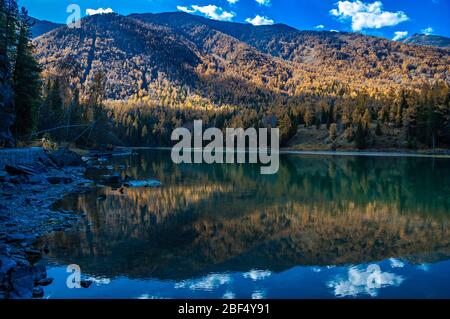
x,y
86,283
45,282
38,292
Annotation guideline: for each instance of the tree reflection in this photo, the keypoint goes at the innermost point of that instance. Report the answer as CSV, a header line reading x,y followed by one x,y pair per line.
x,y
316,211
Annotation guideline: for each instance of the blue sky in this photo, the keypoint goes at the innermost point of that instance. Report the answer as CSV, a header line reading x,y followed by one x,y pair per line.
x,y
386,18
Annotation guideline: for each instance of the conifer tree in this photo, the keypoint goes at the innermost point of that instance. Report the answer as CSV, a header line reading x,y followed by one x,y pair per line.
x,y
26,79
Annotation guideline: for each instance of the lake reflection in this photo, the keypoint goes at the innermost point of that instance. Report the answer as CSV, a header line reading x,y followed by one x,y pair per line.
x,y
322,227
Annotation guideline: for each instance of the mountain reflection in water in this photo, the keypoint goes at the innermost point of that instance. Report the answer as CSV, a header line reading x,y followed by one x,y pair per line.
x,y
318,212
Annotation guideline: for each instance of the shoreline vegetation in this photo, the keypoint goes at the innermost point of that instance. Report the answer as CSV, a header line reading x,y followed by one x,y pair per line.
x,y
444,153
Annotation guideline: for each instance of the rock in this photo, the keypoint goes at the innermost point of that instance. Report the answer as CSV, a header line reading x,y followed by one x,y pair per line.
x,y
47,162
22,282
45,282
6,264
147,183
3,176
33,255
112,179
20,169
59,180
36,180
38,292
86,283
19,238
39,273
8,187
65,157
18,180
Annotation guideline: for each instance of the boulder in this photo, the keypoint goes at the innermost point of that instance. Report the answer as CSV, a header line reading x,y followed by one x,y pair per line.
x,y
59,180
3,176
20,238
112,179
85,283
22,282
65,157
38,292
6,264
21,169
45,282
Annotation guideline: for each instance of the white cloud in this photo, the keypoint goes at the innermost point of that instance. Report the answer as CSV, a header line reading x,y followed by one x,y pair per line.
x,y
210,11
256,275
400,35
232,1
367,15
428,31
364,282
91,12
185,9
320,26
258,20
263,2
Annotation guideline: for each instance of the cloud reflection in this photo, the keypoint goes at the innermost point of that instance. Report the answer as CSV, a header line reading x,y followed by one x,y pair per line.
x,y
257,275
396,263
364,282
208,283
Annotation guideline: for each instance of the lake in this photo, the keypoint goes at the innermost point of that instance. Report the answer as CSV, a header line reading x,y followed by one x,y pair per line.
x,y
324,227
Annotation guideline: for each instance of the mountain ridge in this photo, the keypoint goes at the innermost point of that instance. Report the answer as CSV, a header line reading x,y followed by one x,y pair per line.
x,y
428,40
40,27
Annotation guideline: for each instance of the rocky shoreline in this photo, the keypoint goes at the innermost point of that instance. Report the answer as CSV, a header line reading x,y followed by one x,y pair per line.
x,y
27,194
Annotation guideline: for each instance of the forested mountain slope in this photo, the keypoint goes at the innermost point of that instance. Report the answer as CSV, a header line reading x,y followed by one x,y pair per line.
x,y
160,71
375,61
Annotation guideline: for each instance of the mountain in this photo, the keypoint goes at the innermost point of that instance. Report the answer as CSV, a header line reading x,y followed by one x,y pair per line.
x,y
186,49
429,40
132,54
161,71
39,27
349,54
135,54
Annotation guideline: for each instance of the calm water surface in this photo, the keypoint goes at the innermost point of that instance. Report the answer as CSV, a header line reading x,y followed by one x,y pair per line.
x,y
323,227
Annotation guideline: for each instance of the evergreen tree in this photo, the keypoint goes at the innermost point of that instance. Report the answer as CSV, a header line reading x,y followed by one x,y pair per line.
x,y
361,136
9,20
26,79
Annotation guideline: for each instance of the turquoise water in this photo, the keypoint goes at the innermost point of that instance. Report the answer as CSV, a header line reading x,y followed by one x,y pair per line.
x,y
323,227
